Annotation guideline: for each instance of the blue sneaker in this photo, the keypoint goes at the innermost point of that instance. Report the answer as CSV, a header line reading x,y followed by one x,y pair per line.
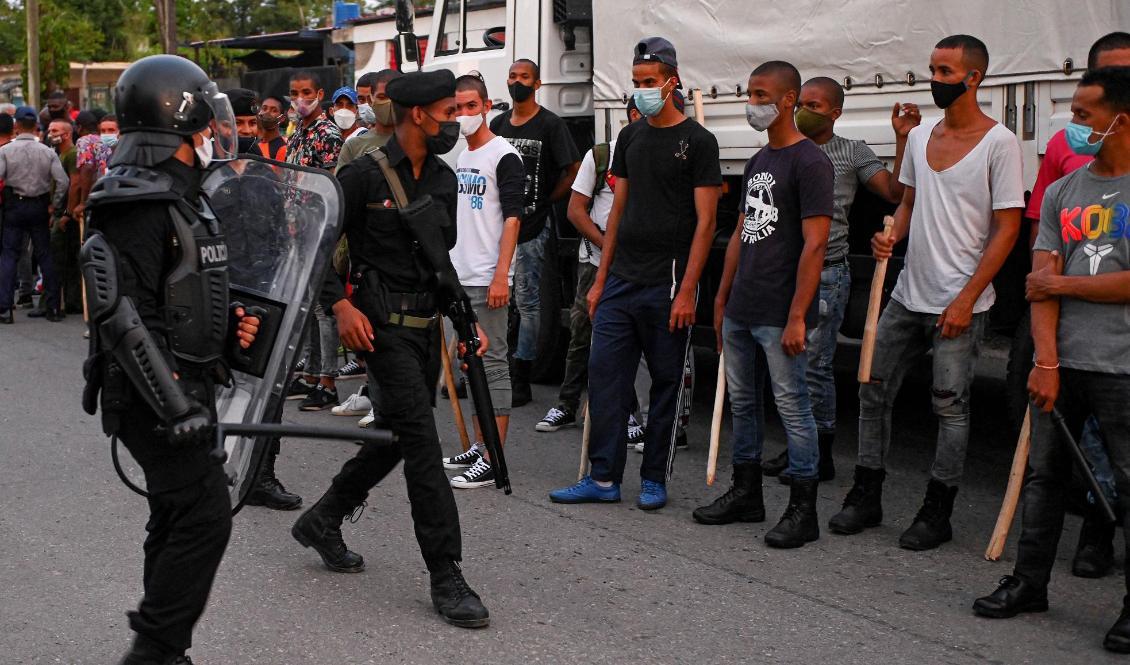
x,y
653,495
586,491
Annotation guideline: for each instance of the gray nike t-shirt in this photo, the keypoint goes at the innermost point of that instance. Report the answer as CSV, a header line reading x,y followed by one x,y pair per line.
x,y
1086,218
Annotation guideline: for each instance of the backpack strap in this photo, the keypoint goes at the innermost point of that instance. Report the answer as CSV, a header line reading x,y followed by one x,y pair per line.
x,y
600,157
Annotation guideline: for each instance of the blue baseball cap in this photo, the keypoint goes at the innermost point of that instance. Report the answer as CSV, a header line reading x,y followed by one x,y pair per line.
x,y
344,91
26,113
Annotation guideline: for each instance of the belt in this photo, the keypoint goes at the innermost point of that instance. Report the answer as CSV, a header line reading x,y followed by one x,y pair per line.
x,y
21,197
831,263
409,321
411,301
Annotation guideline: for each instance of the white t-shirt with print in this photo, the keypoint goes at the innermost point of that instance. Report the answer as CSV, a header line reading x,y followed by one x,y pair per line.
x,y
952,216
585,183
480,215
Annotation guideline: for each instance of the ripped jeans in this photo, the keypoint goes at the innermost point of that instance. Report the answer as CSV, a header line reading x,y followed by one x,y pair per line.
x,y
903,338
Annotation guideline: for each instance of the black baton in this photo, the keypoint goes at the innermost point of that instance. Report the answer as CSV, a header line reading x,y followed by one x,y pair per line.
x,y
224,430
1085,467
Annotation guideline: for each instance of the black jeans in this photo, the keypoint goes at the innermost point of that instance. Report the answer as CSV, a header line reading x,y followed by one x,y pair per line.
x,y
1050,464
189,525
24,218
405,363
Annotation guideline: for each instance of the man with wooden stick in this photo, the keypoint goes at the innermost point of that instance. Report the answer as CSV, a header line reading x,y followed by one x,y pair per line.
x,y
961,212
854,163
1080,294
767,302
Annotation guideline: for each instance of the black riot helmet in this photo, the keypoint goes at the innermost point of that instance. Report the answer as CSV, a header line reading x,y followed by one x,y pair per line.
x,y
160,100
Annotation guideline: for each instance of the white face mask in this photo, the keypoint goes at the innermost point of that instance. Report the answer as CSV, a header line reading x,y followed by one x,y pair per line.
x,y
345,118
469,124
204,152
366,113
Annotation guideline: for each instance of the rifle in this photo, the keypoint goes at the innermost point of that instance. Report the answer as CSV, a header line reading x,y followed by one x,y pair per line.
x,y
463,319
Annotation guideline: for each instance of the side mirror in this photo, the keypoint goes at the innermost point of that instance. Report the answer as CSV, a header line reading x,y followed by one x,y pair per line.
x,y
408,47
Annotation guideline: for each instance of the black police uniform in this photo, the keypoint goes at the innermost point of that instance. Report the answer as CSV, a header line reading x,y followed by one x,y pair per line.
x,y
401,305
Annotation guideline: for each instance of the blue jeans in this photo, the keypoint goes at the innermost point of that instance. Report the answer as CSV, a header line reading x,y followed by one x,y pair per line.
x,y
321,345
632,319
24,218
835,288
903,338
745,381
528,261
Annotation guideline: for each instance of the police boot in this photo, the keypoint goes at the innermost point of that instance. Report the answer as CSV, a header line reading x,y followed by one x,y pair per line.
x,y
269,491
931,525
520,392
1094,556
1118,637
150,652
863,505
320,528
799,524
741,503
454,599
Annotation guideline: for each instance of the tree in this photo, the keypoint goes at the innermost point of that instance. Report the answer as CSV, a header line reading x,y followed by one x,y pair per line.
x,y
64,35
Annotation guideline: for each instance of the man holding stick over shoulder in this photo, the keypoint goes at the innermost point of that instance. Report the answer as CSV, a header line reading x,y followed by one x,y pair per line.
x,y
1080,294
961,212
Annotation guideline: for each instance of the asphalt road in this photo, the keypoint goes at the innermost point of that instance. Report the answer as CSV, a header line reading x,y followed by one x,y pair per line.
x,y
576,584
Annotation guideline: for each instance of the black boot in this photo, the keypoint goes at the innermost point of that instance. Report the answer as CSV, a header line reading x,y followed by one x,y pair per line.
x,y
741,503
931,525
150,652
269,491
863,505
775,465
454,599
320,528
827,464
1118,637
1012,597
1094,556
520,393
799,524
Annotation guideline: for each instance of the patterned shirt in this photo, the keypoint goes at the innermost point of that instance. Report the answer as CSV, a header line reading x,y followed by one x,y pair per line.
x,y
91,150
854,164
316,145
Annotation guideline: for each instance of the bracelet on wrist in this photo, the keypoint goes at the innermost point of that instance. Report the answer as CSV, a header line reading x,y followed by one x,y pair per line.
x,y
1048,367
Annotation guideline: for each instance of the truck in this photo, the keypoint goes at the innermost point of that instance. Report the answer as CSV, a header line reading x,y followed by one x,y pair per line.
x,y
879,50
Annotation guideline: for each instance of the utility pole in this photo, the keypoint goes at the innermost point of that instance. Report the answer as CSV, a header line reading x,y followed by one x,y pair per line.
x,y
167,24
32,11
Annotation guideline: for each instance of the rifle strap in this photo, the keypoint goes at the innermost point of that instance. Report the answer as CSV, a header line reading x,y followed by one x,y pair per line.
x,y
392,179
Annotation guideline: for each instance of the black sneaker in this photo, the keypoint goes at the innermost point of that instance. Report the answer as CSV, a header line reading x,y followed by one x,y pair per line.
x,y
319,398
681,441
463,460
556,418
6,316
635,434
300,388
480,474
299,367
25,302
350,370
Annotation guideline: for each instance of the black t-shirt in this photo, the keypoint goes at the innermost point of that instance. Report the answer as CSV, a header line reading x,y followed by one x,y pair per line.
x,y
781,188
546,149
663,165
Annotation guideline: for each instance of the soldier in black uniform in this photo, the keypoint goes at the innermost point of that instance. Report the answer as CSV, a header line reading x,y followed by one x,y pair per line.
x,y
399,294
155,266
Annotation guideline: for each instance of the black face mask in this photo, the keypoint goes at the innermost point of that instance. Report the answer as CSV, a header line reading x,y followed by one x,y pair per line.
x,y
246,143
519,91
445,140
946,94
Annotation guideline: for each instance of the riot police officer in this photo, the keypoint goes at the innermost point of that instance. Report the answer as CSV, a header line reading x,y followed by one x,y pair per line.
x,y
398,295
156,283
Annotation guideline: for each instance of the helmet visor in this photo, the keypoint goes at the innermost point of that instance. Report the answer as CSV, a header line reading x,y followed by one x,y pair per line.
x,y
225,139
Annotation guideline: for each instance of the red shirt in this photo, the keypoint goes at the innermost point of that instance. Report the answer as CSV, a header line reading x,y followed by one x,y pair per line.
x,y
1059,160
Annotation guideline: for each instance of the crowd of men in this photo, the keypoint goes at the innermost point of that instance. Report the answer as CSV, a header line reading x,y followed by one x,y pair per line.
x,y
644,205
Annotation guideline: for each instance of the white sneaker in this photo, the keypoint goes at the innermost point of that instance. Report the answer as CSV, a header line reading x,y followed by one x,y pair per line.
x,y
479,475
356,405
465,459
368,419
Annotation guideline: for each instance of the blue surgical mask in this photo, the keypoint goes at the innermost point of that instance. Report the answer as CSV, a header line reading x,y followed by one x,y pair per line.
x,y
1079,138
649,100
109,139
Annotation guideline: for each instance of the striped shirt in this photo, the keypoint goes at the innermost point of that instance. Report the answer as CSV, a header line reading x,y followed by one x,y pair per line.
x,y
854,163
33,167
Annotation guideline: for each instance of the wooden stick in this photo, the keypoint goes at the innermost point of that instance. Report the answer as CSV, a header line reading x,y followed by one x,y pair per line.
x,y
1012,493
452,396
716,421
871,327
699,113
585,434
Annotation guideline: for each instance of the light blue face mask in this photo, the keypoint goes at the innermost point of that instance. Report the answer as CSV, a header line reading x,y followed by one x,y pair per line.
x,y
1079,138
650,100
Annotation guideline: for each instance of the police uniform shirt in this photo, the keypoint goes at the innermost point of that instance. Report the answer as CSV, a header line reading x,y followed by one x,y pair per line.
x,y
377,238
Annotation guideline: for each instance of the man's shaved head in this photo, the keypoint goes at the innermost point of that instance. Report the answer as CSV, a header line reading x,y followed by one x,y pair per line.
x,y
832,91
782,72
974,53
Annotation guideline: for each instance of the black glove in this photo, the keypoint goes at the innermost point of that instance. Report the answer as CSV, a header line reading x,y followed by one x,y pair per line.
x,y
192,428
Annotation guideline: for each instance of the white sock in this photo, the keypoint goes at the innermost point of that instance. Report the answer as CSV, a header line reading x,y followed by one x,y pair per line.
x,y
605,484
